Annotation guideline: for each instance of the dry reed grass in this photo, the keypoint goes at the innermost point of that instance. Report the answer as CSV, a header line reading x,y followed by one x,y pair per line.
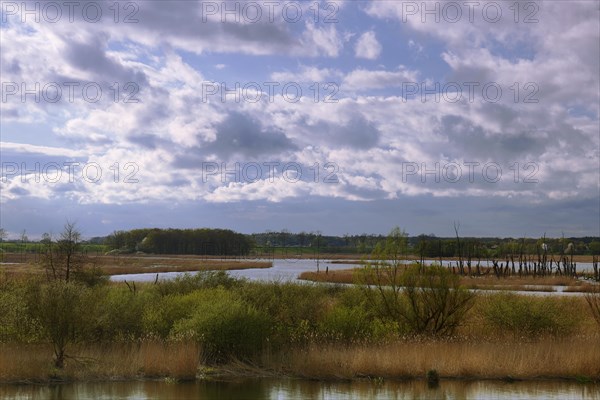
x,y
149,359
584,288
486,282
134,264
569,358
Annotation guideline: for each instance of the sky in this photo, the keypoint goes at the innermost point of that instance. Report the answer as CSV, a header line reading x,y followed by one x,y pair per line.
x,y
345,117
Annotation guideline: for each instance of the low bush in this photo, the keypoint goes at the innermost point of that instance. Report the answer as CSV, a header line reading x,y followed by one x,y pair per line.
x,y
225,326
528,316
296,309
345,324
16,321
119,314
188,283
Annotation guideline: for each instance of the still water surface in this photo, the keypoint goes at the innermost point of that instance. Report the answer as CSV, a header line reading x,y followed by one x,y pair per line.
x,y
288,270
257,389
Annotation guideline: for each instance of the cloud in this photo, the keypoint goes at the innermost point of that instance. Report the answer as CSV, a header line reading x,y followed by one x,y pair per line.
x,y
369,133
309,74
362,79
367,46
239,137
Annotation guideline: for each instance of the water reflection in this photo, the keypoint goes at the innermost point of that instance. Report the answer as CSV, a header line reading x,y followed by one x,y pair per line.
x,y
302,389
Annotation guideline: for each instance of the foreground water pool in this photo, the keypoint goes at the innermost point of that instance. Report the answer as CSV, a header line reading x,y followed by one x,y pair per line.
x,y
302,389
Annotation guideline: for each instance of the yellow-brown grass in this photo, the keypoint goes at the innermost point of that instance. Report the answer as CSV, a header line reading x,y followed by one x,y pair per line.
x,y
520,288
212,265
485,282
135,264
33,362
583,288
546,358
338,276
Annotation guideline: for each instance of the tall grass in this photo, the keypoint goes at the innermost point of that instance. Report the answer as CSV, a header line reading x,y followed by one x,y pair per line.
x,y
569,358
146,359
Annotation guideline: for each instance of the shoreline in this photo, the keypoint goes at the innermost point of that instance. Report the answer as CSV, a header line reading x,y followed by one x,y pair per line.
x,y
574,360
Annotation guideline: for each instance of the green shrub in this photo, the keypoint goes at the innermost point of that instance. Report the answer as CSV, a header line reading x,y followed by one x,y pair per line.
x,y
92,276
16,322
225,326
296,309
162,313
345,324
188,283
120,314
528,316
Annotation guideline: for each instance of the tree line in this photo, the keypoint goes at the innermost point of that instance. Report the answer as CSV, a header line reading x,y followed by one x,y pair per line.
x,y
221,242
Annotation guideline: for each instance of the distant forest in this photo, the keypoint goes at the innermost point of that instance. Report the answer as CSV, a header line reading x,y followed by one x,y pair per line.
x,y
180,241
227,242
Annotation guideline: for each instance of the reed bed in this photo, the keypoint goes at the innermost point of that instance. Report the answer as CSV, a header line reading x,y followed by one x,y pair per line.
x,y
485,282
547,358
29,363
572,358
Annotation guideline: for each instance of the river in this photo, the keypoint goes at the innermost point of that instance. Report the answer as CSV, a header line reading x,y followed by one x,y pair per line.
x,y
257,389
288,270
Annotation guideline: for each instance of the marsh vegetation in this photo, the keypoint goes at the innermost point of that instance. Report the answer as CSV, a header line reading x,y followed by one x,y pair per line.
x,y
398,321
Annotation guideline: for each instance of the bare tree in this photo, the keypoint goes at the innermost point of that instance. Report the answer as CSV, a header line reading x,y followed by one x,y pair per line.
x,y
62,258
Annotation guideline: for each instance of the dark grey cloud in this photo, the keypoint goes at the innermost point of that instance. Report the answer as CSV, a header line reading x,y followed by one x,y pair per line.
x,y
182,21
149,141
19,191
470,141
241,136
91,56
357,133
501,114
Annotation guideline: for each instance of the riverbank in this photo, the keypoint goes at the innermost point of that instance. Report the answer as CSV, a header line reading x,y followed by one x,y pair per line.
x,y
574,359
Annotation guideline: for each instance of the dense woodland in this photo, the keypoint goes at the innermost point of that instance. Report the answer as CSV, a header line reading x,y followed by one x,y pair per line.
x,y
229,243
430,245
181,241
